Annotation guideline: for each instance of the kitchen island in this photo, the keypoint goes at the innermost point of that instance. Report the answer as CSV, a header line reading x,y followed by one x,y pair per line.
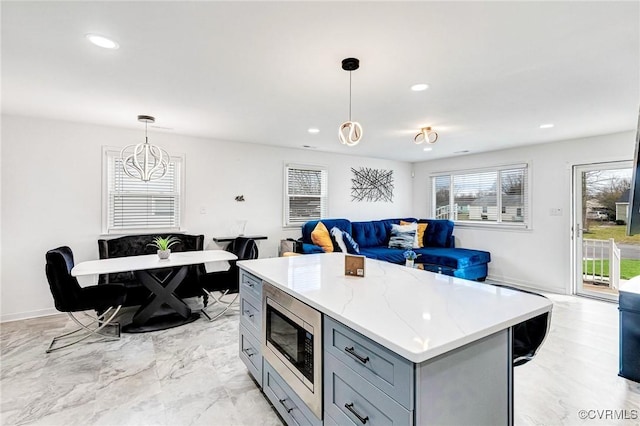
x,y
400,346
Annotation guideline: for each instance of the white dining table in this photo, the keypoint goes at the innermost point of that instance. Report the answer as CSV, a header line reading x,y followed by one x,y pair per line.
x,y
162,287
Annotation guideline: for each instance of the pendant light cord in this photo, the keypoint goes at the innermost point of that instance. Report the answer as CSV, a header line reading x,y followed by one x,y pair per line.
x,y
349,95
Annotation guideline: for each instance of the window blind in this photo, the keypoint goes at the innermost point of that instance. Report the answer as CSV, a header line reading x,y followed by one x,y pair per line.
x,y
306,194
135,204
498,195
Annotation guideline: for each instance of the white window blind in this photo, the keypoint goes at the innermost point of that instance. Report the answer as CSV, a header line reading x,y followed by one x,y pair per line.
x,y
499,195
132,204
305,194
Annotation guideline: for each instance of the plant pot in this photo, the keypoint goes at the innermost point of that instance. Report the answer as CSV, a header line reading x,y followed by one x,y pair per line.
x,y
164,254
408,263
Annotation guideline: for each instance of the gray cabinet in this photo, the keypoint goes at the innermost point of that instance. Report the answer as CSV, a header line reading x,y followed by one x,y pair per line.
x,y
352,400
251,324
286,402
365,383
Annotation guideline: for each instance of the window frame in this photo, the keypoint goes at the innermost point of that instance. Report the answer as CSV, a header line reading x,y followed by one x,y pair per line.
x,y
113,152
286,222
526,224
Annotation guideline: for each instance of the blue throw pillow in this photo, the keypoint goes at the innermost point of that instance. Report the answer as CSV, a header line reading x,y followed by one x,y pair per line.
x,y
402,236
352,246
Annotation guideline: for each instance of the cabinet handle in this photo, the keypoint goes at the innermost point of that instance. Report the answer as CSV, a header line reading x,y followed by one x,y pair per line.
x,y
248,352
349,407
351,351
281,401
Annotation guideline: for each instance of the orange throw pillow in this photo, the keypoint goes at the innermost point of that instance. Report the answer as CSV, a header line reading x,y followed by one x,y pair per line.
x,y
419,234
320,237
421,228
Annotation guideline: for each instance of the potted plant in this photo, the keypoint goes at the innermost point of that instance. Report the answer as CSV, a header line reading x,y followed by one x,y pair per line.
x,y
164,245
410,257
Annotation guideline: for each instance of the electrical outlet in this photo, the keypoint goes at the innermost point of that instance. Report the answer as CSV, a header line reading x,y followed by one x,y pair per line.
x,y
203,210
555,212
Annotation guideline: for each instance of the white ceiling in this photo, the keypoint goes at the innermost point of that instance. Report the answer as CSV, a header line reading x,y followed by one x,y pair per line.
x,y
264,72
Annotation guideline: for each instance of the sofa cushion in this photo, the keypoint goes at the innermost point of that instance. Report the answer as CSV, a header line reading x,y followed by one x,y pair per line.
x,y
370,234
455,258
320,237
438,233
384,253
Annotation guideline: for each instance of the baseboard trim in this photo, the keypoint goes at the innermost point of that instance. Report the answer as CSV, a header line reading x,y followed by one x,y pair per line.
x,y
524,285
27,315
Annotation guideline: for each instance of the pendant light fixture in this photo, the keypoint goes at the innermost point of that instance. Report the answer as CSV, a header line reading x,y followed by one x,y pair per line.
x,y
145,161
350,132
426,135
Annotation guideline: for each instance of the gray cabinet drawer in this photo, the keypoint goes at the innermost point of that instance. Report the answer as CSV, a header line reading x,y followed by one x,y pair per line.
x,y
290,407
250,354
328,420
383,368
251,315
349,399
251,285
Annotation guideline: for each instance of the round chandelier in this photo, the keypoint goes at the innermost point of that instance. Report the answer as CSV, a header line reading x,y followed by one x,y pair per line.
x,y
145,161
350,132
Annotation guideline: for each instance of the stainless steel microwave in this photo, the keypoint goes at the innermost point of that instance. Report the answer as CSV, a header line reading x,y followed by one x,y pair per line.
x,y
292,344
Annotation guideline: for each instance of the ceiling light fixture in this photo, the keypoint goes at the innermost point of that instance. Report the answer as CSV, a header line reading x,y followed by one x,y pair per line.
x,y
546,126
145,161
350,132
427,149
102,41
419,87
426,135
313,130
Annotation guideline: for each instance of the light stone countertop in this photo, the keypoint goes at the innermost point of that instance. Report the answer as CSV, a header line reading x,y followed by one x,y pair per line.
x,y
414,313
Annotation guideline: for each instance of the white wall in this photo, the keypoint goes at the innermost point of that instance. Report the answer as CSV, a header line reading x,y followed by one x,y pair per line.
x,y
540,257
51,195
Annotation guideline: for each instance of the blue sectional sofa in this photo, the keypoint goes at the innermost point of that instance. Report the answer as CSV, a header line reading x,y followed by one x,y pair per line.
x,y
439,253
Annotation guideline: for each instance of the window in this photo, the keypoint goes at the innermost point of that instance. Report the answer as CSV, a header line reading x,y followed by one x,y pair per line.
x,y
498,195
131,205
305,194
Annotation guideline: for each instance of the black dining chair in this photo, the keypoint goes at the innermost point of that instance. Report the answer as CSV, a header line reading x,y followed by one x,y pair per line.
x,y
223,286
69,297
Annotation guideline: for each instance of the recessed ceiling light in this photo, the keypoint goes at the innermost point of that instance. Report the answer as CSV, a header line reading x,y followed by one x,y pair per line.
x,y
428,149
313,130
419,87
546,126
102,41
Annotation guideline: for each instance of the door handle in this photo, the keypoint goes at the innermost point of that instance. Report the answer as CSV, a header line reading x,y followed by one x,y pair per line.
x,y
281,401
349,407
351,351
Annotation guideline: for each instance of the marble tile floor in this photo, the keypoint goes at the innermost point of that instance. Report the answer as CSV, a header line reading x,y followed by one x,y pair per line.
x,y
191,375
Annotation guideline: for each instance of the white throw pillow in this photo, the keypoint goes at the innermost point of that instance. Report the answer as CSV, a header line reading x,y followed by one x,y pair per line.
x,y
336,233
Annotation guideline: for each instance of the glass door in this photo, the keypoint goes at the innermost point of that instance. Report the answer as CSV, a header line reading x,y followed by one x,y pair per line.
x,y
603,255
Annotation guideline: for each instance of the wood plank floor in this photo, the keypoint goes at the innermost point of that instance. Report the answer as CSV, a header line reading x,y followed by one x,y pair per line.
x,y
191,375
